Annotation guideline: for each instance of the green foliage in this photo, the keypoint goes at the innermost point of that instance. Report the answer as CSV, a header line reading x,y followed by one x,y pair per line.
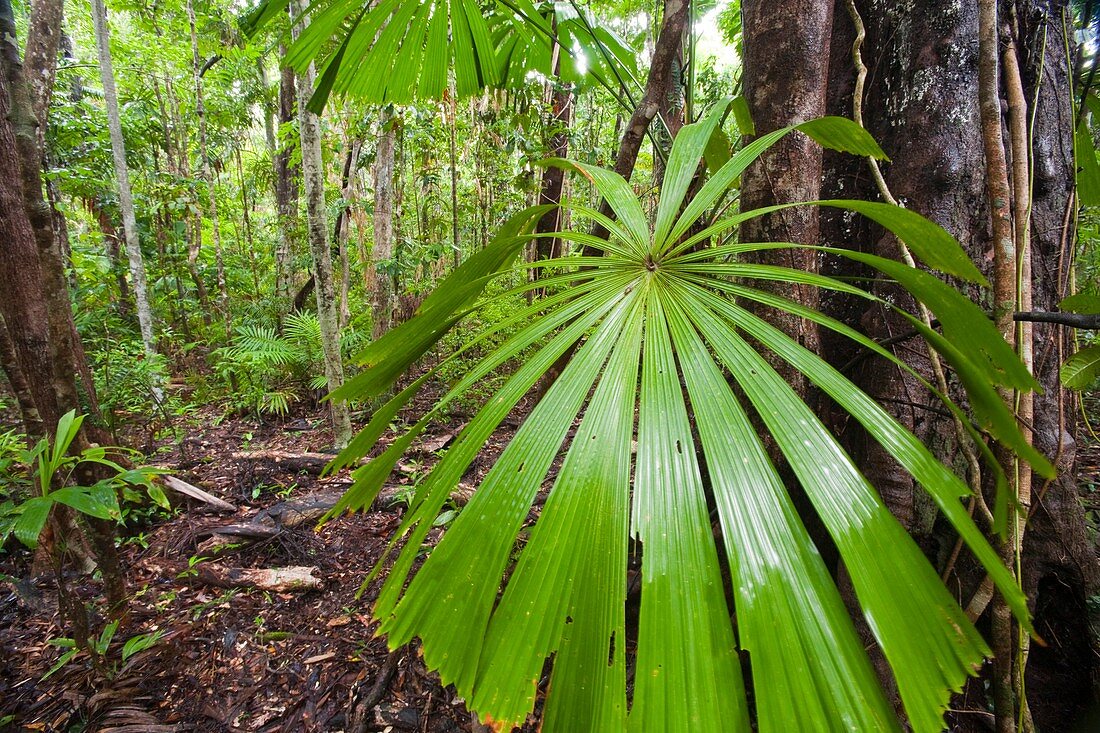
x,y
267,372
52,466
400,52
1082,369
100,646
660,338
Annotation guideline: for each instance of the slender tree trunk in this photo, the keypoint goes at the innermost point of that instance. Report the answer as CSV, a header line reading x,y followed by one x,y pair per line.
x,y
286,196
657,90
383,223
452,127
122,175
207,174
342,228
313,177
246,220
559,97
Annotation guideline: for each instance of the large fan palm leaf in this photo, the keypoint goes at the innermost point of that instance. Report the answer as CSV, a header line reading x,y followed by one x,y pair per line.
x,y
666,358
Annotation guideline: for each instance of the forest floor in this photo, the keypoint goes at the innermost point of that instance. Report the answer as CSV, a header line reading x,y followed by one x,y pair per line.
x,y
241,659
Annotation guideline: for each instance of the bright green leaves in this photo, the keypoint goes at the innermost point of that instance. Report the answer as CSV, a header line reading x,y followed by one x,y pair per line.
x,y
656,422
53,465
688,679
400,52
1082,369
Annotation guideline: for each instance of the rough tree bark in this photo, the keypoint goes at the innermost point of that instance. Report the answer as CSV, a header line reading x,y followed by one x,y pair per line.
x,y
779,37
316,213
922,105
35,302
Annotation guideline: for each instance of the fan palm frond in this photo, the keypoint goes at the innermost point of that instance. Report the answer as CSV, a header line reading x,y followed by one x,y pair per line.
x,y
662,342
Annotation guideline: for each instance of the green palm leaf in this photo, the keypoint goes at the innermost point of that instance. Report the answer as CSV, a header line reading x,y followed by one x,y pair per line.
x,y
662,356
399,52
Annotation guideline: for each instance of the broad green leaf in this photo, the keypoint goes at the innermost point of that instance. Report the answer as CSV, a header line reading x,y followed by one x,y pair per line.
x,y
928,241
587,506
399,347
842,135
98,501
742,116
962,321
620,197
656,329
930,644
689,680
32,518
1088,169
1088,303
944,486
449,600
788,608
683,164
1081,370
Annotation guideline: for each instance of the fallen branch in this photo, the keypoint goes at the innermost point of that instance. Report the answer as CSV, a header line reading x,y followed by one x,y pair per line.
x,y
278,580
314,462
182,487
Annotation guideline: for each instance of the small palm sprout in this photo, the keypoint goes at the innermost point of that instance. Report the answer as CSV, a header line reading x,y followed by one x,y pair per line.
x,y
661,342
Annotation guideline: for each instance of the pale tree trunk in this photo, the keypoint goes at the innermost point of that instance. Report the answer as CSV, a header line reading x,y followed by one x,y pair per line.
x,y
342,228
246,219
452,125
383,222
314,181
207,175
122,174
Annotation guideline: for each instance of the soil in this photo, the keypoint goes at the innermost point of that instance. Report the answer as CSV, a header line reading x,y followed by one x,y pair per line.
x,y
239,659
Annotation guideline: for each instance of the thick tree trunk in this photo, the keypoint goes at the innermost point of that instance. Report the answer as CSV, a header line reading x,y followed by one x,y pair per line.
x,y
921,104
40,59
313,177
34,302
780,38
122,174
